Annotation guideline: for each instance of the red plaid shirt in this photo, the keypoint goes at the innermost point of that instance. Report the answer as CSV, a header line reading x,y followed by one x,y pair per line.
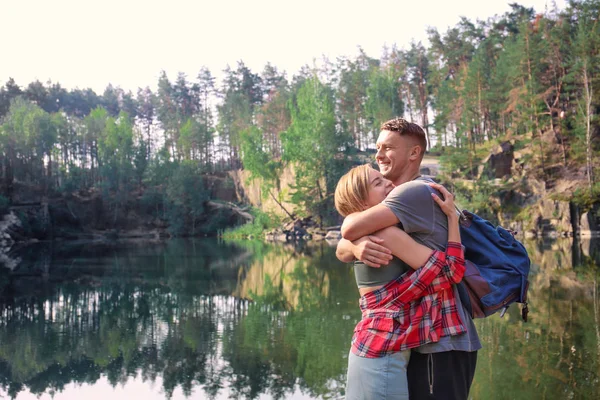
x,y
414,309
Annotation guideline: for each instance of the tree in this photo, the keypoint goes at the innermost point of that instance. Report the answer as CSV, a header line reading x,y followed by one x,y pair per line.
x,y
7,93
418,68
241,94
273,116
383,100
110,100
312,142
260,163
167,112
94,126
146,107
206,90
115,159
352,96
586,75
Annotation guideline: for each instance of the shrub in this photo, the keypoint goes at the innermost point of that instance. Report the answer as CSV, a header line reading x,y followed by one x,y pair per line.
x,y
257,228
4,204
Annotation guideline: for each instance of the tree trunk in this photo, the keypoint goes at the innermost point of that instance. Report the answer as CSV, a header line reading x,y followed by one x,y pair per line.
x,y
588,92
292,216
532,105
408,101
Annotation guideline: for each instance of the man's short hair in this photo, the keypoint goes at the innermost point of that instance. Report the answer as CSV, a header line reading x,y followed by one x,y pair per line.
x,y
405,128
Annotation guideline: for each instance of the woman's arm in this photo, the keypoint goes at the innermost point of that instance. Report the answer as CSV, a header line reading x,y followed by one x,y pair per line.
x,y
455,259
454,268
439,272
366,222
447,206
414,254
367,249
406,248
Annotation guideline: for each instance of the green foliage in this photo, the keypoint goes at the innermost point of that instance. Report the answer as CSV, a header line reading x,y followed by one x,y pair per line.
x,y
73,180
383,101
586,198
262,222
27,134
4,204
270,295
524,214
312,142
354,100
476,197
185,198
521,74
256,159
152,202
456,160
115,151
215,222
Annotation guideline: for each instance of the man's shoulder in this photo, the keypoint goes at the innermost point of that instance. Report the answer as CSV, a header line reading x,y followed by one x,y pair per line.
x,y
411,188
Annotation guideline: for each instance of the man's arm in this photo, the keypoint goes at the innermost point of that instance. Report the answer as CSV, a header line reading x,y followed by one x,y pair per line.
x,y
366,222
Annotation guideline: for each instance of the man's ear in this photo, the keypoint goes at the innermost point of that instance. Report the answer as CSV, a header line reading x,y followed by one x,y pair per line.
x,y
415,153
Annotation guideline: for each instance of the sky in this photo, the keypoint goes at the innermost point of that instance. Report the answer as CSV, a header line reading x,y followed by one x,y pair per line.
x,y
134,388
89,43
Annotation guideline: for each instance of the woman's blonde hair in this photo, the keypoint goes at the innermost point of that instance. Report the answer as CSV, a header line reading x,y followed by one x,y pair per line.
x,y
352,190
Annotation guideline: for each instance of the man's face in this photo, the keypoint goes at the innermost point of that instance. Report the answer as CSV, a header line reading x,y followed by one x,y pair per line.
x,y
393,153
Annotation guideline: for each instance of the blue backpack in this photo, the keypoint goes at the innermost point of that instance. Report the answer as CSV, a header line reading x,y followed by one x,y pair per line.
x,y
497,268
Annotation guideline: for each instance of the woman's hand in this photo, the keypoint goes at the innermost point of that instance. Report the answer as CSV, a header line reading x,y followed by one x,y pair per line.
x,y
371,251
447,203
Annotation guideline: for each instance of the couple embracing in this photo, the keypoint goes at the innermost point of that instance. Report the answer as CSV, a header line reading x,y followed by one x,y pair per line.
x,y
415,338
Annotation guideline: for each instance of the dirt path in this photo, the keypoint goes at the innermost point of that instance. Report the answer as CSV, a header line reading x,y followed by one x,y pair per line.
x,y
430,163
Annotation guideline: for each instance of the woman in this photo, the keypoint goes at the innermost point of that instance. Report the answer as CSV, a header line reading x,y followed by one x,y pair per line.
x,y
400,309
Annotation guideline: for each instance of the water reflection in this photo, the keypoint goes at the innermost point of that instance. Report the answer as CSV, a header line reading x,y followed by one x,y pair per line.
x,y
216,320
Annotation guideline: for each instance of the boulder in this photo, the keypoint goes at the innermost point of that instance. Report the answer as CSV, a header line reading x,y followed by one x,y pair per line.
x,y
333,235
588,226
530,234
553,217
534,187
498,163
588,246
318,237
280,237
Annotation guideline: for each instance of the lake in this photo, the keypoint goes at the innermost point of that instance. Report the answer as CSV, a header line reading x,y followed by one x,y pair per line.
x,y
207,319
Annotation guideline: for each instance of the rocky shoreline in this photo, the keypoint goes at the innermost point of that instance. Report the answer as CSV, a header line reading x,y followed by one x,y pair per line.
x,y
303,229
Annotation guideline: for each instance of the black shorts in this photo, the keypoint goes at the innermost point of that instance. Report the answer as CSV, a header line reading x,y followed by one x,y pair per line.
x,y
441,376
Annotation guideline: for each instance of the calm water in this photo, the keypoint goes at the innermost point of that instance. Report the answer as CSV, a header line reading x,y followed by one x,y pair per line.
x,y
206,319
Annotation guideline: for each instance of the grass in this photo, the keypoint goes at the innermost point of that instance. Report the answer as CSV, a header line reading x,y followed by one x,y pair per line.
x,y
262,223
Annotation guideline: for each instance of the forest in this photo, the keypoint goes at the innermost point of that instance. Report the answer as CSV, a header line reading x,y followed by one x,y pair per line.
x,y
529,77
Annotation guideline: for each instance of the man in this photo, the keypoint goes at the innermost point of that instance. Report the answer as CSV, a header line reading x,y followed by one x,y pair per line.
x,y
441,370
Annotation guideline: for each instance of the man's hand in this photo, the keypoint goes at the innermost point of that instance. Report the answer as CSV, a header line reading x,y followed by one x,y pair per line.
x,y
370,250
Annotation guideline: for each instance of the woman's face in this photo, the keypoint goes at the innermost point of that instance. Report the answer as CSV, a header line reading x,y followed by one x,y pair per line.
x,y
379,188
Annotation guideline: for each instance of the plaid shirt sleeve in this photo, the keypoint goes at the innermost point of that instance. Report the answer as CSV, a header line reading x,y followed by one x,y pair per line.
x,y
454,269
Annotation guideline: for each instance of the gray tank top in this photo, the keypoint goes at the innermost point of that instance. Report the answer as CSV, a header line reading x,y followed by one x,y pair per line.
x,y
366,276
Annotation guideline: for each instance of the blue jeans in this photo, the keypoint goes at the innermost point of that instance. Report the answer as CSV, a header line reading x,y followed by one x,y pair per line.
x,y
377,378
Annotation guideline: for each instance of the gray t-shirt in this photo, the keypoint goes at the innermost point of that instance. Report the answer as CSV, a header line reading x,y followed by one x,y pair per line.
x,y
425,221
